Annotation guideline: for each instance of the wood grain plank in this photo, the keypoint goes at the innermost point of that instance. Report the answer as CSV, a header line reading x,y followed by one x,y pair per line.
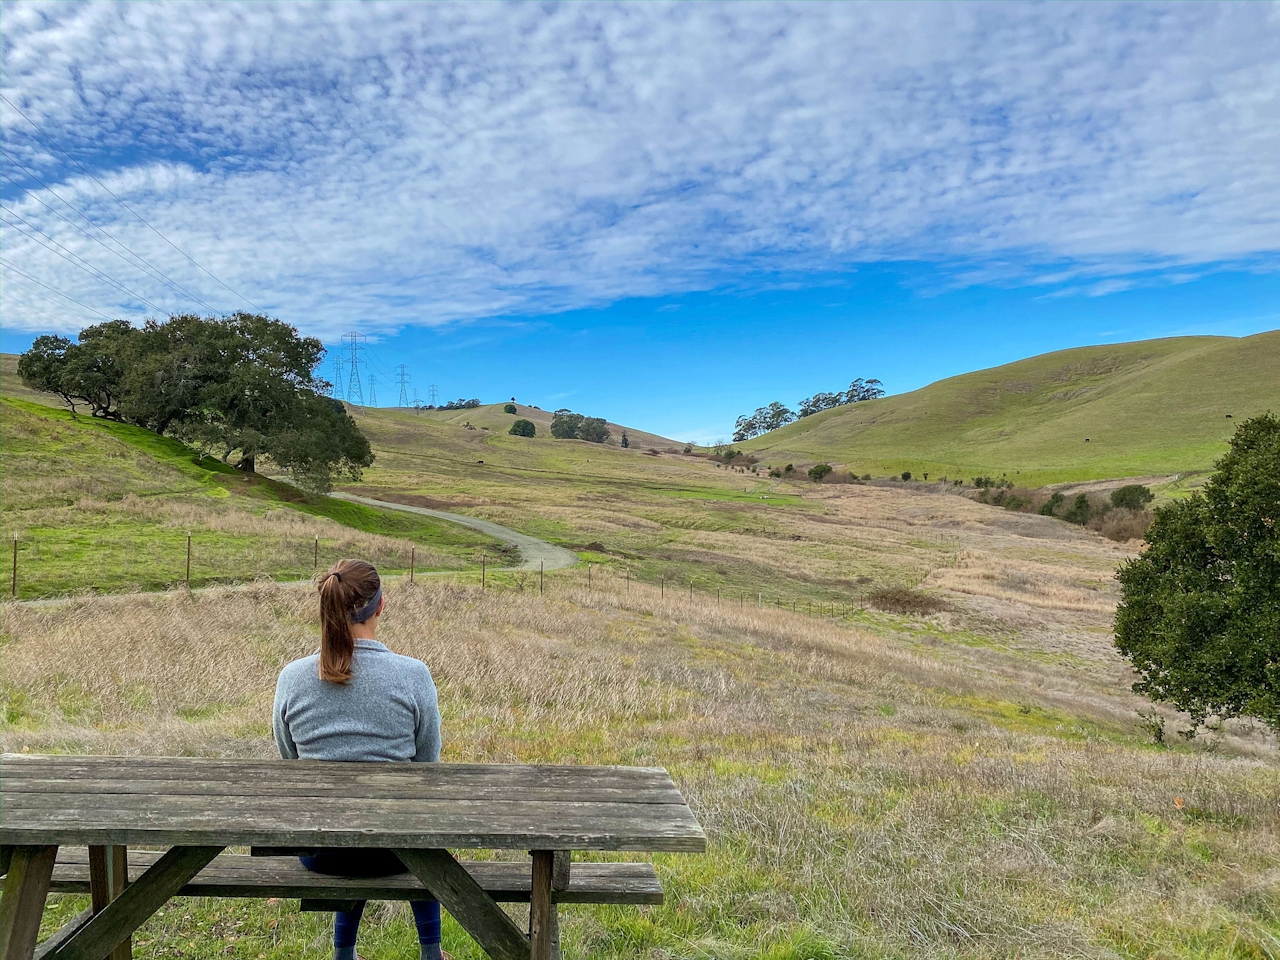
x,y
350,821
468,904
26,886
237,875
541,909
123,915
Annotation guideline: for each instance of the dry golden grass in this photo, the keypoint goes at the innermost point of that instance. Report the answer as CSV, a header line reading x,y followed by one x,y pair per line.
x,y
882,789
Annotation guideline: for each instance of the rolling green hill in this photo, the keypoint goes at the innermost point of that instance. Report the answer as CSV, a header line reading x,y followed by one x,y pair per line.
x,y
1123,410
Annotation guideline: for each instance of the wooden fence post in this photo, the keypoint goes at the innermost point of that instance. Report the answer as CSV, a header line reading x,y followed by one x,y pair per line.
x,y
542,572
662,586
188,560
413,559
588,577
14,587
690,589
484,565
315,559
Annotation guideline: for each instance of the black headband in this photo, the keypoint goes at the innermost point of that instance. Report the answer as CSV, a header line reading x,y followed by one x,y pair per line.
x,y
369,609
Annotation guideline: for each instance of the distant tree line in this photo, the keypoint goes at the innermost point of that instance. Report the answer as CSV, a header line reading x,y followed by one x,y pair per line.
x,y
244,384
451,405
776,415
567,425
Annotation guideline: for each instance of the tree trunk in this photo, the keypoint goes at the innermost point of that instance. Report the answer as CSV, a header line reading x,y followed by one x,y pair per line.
x,y
246,464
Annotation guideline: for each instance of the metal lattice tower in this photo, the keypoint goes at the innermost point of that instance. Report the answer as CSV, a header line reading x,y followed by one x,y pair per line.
x,y
336,391
354,344
402,378
373,391
435,395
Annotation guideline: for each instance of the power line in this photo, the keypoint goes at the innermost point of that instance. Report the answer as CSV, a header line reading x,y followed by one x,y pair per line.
x,y
9,266
402,377
121,202
82,263
373,391
152,271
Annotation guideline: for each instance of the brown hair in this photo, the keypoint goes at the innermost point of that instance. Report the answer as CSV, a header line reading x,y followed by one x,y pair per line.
x,y
345,588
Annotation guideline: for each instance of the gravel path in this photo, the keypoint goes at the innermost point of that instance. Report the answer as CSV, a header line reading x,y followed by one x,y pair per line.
x,y
533,551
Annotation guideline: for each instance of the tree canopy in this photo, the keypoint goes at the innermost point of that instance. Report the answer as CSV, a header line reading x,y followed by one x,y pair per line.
x,y
243,384
776,415
1200,611
523,428
567,425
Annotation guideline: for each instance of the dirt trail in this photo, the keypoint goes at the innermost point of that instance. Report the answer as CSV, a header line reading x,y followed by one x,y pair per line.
x,y
533,552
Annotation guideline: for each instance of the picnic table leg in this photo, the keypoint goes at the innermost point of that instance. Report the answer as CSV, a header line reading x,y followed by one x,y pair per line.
x,y
108,876
468,903
26,886
542,912
134,906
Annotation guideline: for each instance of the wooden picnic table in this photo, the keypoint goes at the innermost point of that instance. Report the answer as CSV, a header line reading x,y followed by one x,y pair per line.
x,y
197,807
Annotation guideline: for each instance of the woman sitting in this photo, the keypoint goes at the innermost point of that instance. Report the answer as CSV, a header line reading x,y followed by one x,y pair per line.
x,y
356,700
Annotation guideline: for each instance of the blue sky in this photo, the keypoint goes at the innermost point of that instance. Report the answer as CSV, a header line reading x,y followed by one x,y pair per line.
x,y
664,214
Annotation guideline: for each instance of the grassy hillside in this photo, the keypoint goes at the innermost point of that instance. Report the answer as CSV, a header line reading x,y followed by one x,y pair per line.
x,y
106,506
490,418
1132,409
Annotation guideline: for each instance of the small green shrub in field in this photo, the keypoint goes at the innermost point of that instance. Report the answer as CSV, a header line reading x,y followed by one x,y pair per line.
x,y
509,408
906,475
818,471
1133,497
1050,507
1078,512
523,428
866,476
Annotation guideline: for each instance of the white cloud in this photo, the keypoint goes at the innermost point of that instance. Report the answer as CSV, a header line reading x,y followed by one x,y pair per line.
x,y
385,165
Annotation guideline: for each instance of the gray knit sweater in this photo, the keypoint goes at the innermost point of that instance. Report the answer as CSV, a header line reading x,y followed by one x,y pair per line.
x,y
386,711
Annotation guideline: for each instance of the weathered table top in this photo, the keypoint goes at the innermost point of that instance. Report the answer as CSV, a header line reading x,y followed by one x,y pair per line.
x,y
190,801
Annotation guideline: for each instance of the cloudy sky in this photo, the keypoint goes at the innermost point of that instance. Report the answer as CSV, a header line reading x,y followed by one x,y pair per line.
x,y
508,196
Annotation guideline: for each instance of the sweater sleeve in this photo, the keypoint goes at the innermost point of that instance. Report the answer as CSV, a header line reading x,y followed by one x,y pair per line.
x,y
427,730
288,749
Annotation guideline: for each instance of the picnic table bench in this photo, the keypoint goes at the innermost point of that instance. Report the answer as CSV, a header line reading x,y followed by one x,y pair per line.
x,y
67,823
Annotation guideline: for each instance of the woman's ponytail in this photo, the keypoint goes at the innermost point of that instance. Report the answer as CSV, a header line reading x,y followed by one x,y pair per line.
x,y
347,587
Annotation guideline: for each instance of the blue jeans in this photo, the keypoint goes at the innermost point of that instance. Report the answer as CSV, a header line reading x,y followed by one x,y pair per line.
x,y
359,862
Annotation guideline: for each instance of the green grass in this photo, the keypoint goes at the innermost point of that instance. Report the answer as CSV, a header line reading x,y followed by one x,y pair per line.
x,y
1147,408
107,506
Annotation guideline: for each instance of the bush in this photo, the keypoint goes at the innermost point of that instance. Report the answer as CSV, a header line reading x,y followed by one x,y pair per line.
x,y
523,428
906,475
789,468
1050,506
1078,512
866,476
509,408
1123,525
775,473
818,471
1133,497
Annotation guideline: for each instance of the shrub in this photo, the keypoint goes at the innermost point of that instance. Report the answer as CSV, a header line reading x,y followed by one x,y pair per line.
x,y
523,428
625,441
789,468
866,476
906,475
818,471
688,447
1050,506
1133,497
509,408
1122,525
1078,512
776,473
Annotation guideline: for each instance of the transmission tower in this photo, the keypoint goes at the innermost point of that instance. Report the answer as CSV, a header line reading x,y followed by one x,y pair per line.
x,y
336,392
373,391
402,378
354,344
435,395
